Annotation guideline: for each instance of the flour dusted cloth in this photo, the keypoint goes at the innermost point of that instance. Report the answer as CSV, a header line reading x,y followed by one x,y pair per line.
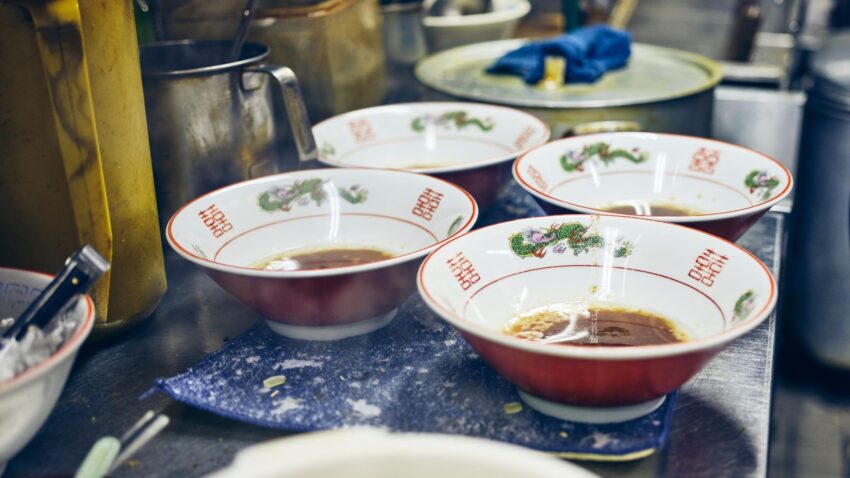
x,y
414,375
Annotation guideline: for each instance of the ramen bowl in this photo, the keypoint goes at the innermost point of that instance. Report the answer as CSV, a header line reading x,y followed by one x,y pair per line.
x,y
233,233
709,289
469,144
448,31
709,185
27,399
373,453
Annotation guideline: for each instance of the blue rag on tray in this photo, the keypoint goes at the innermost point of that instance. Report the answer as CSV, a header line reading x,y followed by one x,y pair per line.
x,y
415,375
589,53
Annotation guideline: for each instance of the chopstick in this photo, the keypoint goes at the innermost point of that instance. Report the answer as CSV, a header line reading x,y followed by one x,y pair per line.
x,y
109,452
138,436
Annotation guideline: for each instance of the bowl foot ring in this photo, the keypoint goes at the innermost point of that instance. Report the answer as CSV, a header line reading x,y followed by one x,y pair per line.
x,y
332,332
591,414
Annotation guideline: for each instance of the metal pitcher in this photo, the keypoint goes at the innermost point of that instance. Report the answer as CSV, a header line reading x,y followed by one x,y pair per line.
x,y
213,122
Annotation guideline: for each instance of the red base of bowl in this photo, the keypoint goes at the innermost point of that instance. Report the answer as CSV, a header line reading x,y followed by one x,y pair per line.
x,y
484,184
590,383
730,229
322,301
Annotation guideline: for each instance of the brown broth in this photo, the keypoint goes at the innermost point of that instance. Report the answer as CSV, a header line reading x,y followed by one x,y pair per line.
x,y
568,324
315,259
653,209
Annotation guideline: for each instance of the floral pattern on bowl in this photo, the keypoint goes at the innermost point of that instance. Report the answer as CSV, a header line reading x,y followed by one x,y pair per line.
x,y
327,150
761,183
574,160
302,192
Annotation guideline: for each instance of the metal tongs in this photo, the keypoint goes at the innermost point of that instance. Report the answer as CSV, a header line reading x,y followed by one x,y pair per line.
x,y
108,453
81,270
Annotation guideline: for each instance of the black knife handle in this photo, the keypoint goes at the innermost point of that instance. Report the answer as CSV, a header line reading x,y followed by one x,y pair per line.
x,y
81,270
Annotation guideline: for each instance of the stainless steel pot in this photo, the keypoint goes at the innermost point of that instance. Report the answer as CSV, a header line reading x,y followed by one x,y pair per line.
x,y
661,89
818,285
212,122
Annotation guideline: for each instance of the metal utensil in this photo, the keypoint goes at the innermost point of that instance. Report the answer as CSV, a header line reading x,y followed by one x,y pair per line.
x,y
80,271
212,124
139,435
242,31
108,453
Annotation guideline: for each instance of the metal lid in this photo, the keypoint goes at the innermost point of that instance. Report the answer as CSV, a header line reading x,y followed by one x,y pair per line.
x,y
653,74
831,68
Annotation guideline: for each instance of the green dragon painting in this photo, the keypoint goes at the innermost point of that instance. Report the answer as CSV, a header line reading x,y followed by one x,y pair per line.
x,y
560,237
302,192
575,160
451,119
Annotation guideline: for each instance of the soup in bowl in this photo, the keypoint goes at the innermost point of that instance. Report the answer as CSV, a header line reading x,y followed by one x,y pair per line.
x,y
717,187
596,318
469,144
321,254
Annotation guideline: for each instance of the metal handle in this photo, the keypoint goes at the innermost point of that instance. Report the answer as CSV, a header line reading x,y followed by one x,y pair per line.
x,y
293,100
82,269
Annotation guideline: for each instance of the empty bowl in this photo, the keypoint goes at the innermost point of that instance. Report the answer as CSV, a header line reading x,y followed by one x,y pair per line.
x,y
579,269
449,31
372,453
322,254
469,144
27,400
710,185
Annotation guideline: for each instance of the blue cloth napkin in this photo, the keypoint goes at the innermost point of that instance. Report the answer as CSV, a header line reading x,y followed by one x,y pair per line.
x,y
589,53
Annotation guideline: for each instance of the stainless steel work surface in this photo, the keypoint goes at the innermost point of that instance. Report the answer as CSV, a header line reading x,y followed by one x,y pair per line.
x,y
720,425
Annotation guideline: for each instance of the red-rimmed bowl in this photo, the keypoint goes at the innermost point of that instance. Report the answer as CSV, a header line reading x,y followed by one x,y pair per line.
x,y
724,188
27,400
229,231
711,289
469,144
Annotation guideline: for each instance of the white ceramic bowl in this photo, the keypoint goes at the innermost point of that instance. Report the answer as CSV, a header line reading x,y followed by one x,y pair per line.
x,y
727,187
446,32
711,289
370,453
469,144
27,400
227,232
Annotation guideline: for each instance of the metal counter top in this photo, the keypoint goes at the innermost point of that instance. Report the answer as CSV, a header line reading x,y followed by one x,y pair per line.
x,y
720,425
